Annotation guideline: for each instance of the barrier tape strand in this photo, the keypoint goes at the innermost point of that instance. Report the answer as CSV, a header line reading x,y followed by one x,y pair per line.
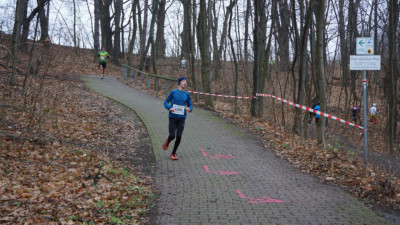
x,y
225,96
311,110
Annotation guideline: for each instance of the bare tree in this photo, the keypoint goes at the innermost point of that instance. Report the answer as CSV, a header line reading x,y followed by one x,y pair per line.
x,y
282,24
105,21
96,33
118,7
393,7
303,55
222,40
160,37
19,16
319,11
143,31
134,29
204,46
44,21
260,26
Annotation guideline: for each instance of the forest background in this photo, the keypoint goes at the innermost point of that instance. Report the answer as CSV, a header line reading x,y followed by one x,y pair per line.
x,y
295,49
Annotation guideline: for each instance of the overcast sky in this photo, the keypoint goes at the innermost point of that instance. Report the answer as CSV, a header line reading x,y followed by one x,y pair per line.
x,y
61,22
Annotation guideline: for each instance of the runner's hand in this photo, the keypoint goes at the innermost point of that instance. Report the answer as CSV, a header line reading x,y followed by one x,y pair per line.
x,y
187,109
172,110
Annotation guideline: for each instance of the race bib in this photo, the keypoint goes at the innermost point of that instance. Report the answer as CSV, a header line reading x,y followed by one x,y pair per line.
x,y
102,58
179,109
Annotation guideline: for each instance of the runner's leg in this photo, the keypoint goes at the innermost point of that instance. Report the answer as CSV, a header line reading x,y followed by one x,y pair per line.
x,y
180,125
171,128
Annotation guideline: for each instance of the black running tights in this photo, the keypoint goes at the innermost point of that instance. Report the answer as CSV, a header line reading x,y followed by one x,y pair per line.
x,y
176,125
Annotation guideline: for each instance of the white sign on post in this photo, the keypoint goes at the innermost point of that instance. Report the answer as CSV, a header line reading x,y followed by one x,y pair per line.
x,y
364,46
365,62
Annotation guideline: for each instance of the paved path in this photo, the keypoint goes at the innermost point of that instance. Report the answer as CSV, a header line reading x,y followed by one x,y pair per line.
x,y
234,179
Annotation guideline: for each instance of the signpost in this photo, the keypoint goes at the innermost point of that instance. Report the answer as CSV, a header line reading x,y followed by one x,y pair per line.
x,y
365,60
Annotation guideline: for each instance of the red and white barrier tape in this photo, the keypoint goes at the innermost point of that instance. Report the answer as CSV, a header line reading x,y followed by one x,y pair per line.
x,y
225,96
311,110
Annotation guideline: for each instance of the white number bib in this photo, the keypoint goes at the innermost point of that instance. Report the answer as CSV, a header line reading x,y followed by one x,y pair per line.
x,y
102,58
179,109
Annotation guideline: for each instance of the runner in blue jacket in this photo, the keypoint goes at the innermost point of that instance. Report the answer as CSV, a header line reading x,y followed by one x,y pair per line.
x,y
178,103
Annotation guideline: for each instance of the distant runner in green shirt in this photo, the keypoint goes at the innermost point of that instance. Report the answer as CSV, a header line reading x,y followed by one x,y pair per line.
x,y
103,62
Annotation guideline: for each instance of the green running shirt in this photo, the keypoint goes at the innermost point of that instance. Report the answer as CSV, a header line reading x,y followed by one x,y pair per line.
x,y
103,56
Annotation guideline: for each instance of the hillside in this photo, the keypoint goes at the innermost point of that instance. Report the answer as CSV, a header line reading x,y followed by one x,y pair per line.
x,y
59,145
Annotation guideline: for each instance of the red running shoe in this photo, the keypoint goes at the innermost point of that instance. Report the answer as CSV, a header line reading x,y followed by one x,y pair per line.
x,y
174,157
165,145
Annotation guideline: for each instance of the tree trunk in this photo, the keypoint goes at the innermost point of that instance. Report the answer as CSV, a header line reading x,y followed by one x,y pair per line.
x,y
344,53
320,69
303,72
246,30
143,34
27,20
117,32
19,16
160,37
193,48
44,22
259,54
222,40
74,25
236,77
352,34
105,21
204,46
96,28
283,35
391,77
133,36
185,35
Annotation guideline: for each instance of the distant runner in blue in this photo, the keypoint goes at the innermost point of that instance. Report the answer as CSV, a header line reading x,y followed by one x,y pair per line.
x,y
177,103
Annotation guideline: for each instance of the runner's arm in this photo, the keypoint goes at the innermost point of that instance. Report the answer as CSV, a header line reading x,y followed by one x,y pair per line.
x,y
167,101
189,103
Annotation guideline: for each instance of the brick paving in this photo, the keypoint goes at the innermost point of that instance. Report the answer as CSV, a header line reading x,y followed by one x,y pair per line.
x,y
264,190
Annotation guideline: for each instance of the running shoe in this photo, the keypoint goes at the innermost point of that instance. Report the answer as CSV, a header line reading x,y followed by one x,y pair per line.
x,y
174,157
102,76
165,145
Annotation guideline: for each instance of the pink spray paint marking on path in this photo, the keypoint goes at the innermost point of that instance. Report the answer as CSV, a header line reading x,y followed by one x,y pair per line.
x,y
263,199
220,172
217,156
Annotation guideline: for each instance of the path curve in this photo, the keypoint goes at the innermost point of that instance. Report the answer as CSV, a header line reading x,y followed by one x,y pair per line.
x,y
225,176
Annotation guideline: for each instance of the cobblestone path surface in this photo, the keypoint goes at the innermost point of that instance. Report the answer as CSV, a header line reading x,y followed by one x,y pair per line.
x,y
225,176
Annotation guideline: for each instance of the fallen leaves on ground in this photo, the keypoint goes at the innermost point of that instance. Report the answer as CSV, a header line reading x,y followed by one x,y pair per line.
x,y
55,165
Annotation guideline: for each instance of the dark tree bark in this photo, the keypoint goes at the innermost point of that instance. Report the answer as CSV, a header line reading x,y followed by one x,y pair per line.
x,y
27,21
303,72
134,30
222,40
96,33
259,55
393,8
44,21
235,61
319,12
283,23
160,37
117,33
143,33
19,16
246,30
105,21
204,46
185,35
352,34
